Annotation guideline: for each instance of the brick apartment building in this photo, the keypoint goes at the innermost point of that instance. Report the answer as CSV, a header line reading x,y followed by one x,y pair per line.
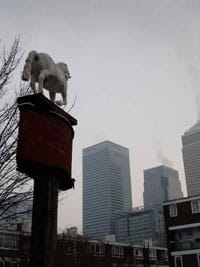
x,y
182,219
80,252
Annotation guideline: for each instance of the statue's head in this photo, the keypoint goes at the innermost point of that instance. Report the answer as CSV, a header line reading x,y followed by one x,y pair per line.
x,y
27,67
65,70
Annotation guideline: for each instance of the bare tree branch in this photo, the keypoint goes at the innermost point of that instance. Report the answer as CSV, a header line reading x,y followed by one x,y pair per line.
x,y
15,188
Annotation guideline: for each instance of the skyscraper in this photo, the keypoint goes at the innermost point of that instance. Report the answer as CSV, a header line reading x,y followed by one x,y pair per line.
x,y
160,184
106,187
191,159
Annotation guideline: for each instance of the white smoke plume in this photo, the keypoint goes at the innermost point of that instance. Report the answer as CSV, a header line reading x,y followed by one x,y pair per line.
x,y
163,160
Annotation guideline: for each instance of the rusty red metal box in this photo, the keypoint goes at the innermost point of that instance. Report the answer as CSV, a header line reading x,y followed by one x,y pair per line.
x,y
45,139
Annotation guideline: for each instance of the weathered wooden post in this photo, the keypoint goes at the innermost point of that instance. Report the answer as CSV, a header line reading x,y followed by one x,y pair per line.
x,y
44,153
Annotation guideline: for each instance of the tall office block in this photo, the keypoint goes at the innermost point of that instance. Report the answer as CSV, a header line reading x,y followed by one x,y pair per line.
x,y
160,184
141,226
191,159
106,187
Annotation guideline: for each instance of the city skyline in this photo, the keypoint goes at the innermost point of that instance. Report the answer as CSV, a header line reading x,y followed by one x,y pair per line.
x,y
146,224
135,72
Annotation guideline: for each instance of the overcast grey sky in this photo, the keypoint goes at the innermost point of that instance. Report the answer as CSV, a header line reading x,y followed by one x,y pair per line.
x,y
135,67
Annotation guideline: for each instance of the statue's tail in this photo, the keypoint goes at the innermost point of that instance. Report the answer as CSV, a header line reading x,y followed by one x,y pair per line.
x,y
28,66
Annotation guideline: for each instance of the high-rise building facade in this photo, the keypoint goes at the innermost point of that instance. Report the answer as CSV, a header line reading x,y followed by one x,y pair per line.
x,y
106,187
141,226
191,159
160,184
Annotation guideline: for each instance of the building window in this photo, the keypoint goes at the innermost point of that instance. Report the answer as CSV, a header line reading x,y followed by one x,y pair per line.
x,y
166,255
152,253
195,204
188,234
117,251
10,241
97,249
178,261
179,235
173,210
138,252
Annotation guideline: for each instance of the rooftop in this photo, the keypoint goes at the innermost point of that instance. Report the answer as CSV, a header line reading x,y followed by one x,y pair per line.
x,y
194,129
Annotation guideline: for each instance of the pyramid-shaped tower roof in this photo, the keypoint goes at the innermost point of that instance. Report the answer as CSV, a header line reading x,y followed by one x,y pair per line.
x,y
194,129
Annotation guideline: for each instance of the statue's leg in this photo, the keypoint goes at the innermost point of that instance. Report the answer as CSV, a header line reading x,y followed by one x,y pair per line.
x,y
32,84
52,96
43,75
64,97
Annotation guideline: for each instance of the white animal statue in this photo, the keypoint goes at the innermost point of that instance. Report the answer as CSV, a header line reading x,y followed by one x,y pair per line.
x,y
40,68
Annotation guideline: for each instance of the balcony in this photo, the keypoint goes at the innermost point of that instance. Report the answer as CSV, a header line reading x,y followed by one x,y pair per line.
x,y
185,245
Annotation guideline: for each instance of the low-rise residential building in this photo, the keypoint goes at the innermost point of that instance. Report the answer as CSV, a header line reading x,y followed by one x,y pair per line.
x,y
182,219
81,252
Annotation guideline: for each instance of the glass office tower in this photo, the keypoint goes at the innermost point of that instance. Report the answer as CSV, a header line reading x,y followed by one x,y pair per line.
x,y
106,187
191,159
160,184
